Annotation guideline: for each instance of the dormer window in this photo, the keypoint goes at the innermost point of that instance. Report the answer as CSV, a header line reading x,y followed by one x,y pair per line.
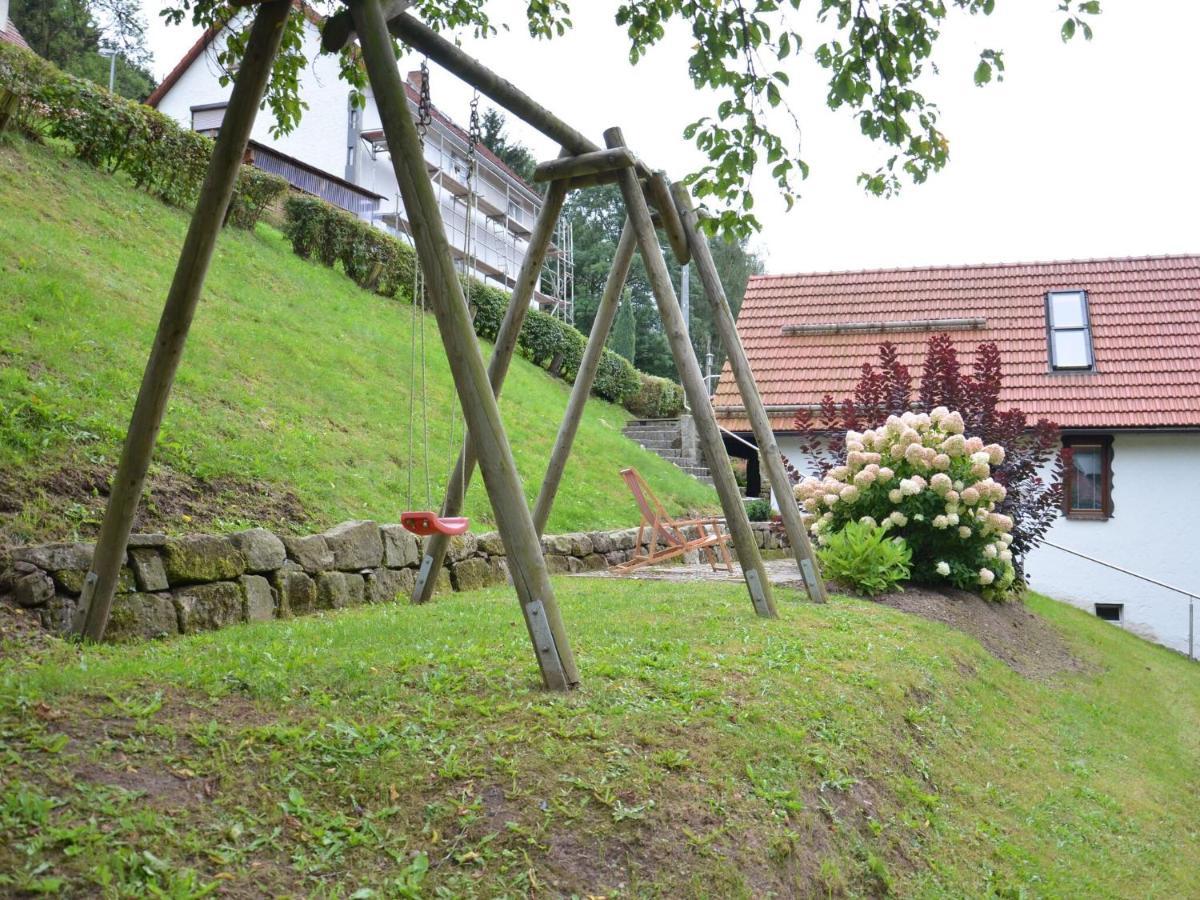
x,y
1070,331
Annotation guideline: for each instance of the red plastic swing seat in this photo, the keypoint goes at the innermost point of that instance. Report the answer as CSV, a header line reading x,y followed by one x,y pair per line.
x,y
426,523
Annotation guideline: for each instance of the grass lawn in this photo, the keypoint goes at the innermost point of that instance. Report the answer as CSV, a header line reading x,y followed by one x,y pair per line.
x,y
397,751
291,404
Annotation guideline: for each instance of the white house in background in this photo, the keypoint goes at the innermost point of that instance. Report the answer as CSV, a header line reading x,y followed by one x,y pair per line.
x,y
339,153
8,31
1109,349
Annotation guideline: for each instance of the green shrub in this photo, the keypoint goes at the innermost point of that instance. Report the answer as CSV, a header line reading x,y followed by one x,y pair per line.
x,y
616,378
656,398
759,510
863,558
121,135
256,191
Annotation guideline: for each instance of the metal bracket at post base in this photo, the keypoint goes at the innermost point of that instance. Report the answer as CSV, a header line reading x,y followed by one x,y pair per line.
x,y
543,642
757,596
423,576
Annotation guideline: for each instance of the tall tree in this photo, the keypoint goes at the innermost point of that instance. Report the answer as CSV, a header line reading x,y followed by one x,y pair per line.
x,y
597,216
623,339
515,155
71,34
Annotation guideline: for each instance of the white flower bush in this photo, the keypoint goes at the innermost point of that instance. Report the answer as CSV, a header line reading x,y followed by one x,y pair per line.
x,y
920,478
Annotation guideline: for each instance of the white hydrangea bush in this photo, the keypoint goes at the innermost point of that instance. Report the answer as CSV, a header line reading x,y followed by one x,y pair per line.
x,y
919,477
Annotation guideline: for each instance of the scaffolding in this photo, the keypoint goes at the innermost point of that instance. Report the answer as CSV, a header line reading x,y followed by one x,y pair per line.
x,y
502,212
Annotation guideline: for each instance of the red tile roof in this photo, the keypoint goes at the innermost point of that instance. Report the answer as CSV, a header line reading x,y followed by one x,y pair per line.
x,y
10,35
1145,316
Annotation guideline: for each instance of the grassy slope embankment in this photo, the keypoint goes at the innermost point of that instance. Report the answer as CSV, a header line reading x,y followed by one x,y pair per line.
x,y
843,750
291,403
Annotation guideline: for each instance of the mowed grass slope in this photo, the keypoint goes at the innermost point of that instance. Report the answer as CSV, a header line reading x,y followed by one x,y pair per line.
x,y
292,400
842,750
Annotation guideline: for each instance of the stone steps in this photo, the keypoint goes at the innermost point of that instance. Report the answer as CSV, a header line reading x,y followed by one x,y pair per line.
x,y
663,438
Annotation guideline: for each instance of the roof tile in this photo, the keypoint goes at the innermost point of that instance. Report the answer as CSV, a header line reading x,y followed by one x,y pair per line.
x,y
1145,317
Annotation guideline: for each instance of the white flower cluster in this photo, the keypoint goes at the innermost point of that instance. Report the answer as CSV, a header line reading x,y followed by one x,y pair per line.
x,y
918,470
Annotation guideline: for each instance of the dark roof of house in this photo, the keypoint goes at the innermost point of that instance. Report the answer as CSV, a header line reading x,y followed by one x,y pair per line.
x,y
1145,321
10,35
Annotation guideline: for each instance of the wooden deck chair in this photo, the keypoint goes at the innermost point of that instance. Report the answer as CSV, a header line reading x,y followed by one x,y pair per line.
x,y
676,536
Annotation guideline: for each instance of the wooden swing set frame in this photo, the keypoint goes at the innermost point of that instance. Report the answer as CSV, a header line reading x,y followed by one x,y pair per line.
x,y
581,163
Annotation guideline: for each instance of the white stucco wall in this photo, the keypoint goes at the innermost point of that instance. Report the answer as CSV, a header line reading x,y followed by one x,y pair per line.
x,y
1155,493
319,139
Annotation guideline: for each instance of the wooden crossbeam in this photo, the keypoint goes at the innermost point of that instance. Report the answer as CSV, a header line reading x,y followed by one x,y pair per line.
x,y
583,165
659,189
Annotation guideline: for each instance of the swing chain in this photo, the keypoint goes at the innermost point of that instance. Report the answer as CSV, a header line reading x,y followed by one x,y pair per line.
x,y
425,104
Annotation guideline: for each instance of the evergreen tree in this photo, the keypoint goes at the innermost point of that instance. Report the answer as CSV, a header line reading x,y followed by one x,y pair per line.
x,y
514,155
623,339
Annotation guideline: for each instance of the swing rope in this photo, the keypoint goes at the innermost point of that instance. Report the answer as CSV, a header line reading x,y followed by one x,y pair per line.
x,y
470,244
423,522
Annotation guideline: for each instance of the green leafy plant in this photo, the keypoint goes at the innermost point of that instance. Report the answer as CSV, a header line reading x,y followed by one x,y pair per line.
x,y
758,510
862,557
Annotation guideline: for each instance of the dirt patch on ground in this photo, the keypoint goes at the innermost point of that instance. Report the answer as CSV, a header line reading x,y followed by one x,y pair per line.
x,y
67,502
1009,631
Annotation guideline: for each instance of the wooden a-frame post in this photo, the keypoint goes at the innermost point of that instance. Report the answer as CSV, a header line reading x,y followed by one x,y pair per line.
x,y
261,47
480,410
695,388
610,300
764,435
528,277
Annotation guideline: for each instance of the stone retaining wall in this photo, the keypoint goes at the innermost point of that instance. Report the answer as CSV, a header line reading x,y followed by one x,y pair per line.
x,y
180,585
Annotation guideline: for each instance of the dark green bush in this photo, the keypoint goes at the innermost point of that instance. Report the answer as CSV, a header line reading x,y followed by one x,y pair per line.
x,y
616,378
121,135
656,398
759,510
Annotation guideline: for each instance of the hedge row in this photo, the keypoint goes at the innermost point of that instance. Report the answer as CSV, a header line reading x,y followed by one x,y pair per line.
x,y
111,132
379,262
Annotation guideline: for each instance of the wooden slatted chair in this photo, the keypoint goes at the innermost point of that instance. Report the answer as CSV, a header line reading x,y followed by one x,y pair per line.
x,y
661,537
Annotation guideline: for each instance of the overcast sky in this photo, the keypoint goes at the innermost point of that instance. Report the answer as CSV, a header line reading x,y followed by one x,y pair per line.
x,y
1085,150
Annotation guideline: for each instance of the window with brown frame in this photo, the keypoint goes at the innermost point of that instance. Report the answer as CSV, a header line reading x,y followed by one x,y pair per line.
x,y
1087,482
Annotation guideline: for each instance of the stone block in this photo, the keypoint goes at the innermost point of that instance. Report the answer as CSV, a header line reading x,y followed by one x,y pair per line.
x,y
389,585
296,591
472,574
580,544
574,564
602,542
154,539
556,543
139,616
499,567
557,563
311,553
148,569
594,562
53,557
462,546
491,544
202,558
258,600
624,540
71,580
355,545
337,590
264,552
616,557
62,615
207,607
33,589
400,547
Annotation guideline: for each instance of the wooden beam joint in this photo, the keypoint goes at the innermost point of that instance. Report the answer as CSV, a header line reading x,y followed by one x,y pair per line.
x,y
584,164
